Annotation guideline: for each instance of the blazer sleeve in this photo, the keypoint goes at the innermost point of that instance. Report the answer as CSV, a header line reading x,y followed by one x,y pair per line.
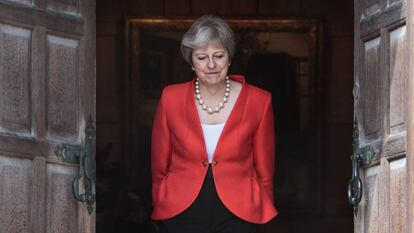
x,y
264,148
160,147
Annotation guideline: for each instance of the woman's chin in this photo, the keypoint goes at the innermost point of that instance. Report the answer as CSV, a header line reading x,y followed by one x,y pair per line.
x,y
213,78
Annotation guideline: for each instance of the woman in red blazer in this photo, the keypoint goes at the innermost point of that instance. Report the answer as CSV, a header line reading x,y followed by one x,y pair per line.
x,y
213,143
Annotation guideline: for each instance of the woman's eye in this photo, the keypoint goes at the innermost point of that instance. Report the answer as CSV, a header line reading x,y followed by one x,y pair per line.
x,y
201,58
219,56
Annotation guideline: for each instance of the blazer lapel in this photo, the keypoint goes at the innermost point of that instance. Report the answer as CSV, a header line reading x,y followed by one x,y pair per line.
x,y
229,138
231,125
194,131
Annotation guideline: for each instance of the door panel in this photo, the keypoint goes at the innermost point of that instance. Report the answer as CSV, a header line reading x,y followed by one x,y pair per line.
x,y
15,185
62,209
47,86
398,78
381,71
397,199
15,80
371,81
65,7
371,206
63,89
371,7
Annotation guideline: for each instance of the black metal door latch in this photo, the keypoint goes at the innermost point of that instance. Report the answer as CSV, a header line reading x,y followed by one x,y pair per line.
x,y
85,157
361,156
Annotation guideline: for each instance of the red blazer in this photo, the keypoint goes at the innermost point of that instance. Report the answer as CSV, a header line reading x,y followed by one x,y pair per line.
x,y
243,165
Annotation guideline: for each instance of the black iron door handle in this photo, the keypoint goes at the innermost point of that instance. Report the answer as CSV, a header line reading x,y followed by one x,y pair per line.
x,y
355,184
361,156
85,157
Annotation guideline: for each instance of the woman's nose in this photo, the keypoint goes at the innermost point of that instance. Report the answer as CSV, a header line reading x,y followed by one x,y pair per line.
x,y
211,64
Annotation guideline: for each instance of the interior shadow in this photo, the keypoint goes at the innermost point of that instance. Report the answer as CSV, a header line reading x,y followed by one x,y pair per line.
x,y
279,56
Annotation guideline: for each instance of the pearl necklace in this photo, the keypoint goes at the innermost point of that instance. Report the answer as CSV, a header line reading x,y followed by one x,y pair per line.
x,y
217,109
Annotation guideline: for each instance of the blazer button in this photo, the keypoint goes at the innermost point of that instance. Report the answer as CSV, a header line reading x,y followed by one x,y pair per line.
x,y
204,163
215,162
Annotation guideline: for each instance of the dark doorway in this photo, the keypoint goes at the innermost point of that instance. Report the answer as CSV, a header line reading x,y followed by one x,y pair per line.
x,y
313,113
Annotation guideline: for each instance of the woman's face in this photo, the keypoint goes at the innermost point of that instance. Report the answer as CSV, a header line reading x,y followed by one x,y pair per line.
x,y
210,63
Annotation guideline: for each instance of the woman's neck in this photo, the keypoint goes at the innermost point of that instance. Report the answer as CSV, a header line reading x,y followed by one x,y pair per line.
x,y
212,90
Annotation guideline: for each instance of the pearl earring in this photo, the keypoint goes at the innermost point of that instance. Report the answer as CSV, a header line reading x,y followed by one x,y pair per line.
x,y
192,67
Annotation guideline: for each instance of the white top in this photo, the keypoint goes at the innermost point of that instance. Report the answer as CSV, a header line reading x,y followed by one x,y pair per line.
x,y
211,137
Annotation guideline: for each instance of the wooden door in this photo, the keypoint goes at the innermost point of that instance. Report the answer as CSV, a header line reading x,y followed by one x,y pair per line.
x,y
383,51
47,90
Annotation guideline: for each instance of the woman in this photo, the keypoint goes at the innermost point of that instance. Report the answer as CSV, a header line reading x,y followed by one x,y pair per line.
x,y
212,157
